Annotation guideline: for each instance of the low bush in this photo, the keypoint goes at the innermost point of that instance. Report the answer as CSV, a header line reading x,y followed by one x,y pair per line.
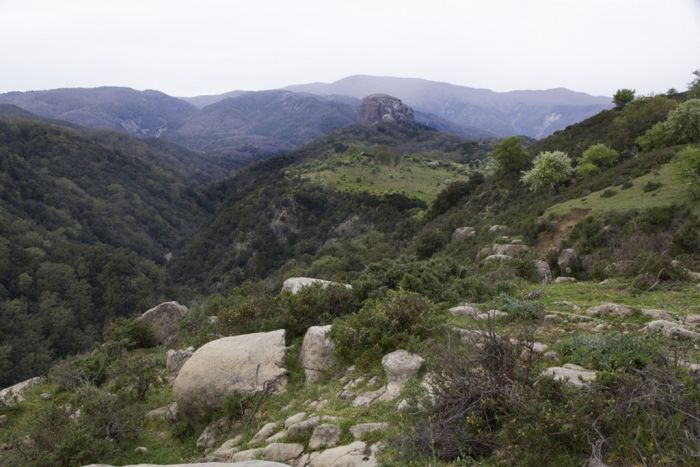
x,y
130,333
610,352
520,310
402,320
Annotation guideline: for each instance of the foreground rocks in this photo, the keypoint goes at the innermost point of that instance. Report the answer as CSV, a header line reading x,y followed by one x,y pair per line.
x,y
294,284
250,463
244,364
316,353
399,366
164,321
571,374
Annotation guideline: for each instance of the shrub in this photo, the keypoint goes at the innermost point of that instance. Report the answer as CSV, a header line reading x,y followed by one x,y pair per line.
x,y
683,123
401,320
651,186
430,242
687,165
609,193
622,97
550,169
313,306
596,157
520,310
510,155
131,333
248,308
134,374
610,352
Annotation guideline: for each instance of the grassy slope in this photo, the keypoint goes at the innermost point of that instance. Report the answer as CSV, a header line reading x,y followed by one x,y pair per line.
x,y
670,192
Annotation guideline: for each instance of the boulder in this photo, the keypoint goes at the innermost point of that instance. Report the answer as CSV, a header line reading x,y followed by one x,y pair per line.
x,y
564,279
464,310
295,284
302,431
355,454
382,108
264,433
227,449
247,455
567,261
510,249
13,395
497,258
167,412
483,253
316,352
658,314
491,315
571,374
497,228
294,419
463,233
671,329
164,321
247,463
245,364
610,309
282,451
543,270
212,433
325,435
692,320
359,430
399,366
174,359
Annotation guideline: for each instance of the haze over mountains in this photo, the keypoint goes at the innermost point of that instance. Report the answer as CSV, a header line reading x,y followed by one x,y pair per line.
x,y
240,126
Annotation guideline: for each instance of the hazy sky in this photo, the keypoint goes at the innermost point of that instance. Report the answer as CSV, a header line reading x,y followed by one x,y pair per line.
x,y
208,46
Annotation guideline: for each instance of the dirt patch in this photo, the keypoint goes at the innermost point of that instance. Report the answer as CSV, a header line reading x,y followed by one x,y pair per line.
x,y
549,240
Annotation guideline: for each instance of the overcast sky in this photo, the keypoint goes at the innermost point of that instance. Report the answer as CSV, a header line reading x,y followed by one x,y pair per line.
x,y
207,46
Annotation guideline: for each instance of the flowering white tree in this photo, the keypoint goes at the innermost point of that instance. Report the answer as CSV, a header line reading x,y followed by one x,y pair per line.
x,y
549,170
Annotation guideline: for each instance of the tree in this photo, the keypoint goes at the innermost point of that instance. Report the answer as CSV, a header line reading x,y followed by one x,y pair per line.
x,y
687,165
694,86
549,170
595,158
683,123
510,155
623,97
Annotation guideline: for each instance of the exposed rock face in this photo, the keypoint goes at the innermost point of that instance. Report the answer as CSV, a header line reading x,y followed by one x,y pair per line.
x,y
245,364
325,435
352,455
282,451
543,270
571,374
295,284
381,108
463,233
464,310
567,261
164,320
9,397
316,352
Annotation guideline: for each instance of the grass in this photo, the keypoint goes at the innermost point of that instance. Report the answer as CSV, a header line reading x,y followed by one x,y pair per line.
x,y
420,177
669,192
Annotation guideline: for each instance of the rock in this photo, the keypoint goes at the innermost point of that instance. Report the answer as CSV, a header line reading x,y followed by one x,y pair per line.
x,y
361,429
167,412
464,310
141,450
511,249
295,284
491,315
658,314
610,309
325,435
671,329
497,228
226,450
403,405
692,320
247,455
174,359
552,319
294,419
564,279
351,455
551,355
567,261
282,451
244,364
44,396
570,374
399,366
277,437
3,419
543,270
264,433
316,352
463,233
13,395
164,321
346,395
366,398
239,463
212,433
497,258
382,108
302,431
483,253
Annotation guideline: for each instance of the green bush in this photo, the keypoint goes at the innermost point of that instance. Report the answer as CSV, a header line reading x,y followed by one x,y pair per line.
x,y
651,186
430,242
609,193
402,320
131,333
314,306
520,310
595,158
610,352
248,308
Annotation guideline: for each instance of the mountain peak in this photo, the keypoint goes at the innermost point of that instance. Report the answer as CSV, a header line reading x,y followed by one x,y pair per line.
x,y
383,108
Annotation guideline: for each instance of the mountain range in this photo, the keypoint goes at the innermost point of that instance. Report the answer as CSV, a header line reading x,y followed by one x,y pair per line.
x,y
239,126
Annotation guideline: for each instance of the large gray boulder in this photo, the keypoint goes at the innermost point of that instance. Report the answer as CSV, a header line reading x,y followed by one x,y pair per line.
x,y
164,321
567,261
316,352
355,454
510,249
13,395
382,108
463,233
295,284
244,364
571,374
400,366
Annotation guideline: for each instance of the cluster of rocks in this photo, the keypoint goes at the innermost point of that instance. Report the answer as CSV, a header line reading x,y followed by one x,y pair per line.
x,y
382,108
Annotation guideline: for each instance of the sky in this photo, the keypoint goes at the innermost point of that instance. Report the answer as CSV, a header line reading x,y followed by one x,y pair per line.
x,y
187,48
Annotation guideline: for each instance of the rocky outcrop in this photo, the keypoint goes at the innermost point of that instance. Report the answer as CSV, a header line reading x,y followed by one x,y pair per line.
x,y
356,454
610,309
510,249
245,364
381,108
463,233
325,435
571,374
316,352
295,284
544,272
464,310
671,329
567,261
9,397
164,321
